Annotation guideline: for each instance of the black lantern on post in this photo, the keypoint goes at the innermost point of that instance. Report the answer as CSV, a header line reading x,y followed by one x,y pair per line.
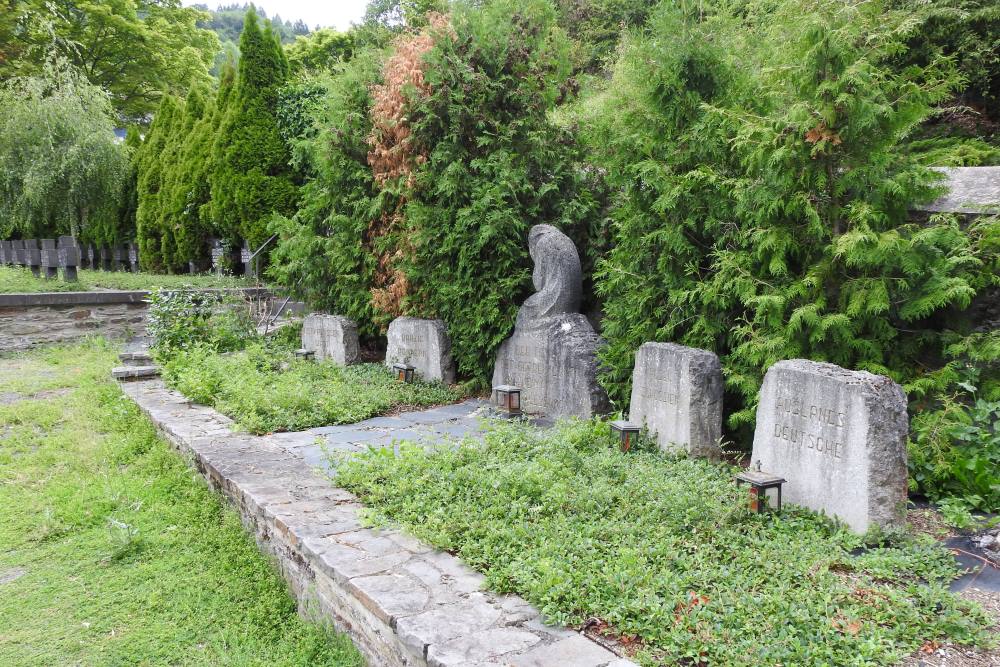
x,y
627,433
404,372
760,482
508,400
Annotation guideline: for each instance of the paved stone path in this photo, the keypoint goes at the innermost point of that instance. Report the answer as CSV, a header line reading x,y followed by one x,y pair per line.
x,y
402,602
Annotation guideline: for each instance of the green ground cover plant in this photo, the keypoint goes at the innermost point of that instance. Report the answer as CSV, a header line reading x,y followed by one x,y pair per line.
x,y
265,389
14,280
664,551
112,551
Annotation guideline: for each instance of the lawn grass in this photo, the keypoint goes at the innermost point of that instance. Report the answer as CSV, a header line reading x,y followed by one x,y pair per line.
x,y
663,552
15,279
264,389
124,555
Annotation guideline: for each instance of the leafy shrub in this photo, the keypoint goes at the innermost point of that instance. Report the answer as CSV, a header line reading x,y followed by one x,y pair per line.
x,y
264,389
664,551
179,320
764,197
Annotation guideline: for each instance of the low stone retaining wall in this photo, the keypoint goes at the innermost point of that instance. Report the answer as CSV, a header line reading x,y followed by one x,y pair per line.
x,y
28,320
400,601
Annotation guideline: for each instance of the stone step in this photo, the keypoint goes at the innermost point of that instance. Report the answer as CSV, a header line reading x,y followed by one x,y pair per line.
x,y
136,358
126,373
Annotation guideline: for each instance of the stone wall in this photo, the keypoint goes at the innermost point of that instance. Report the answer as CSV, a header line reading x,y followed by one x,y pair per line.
x,y
28,320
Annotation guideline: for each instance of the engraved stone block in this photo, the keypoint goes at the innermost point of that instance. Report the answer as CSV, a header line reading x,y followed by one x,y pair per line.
x,y
677,395
424,344
332,337
839,439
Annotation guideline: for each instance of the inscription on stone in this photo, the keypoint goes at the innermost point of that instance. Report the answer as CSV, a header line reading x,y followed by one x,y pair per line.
x,y
331,337
838,437
422,343
677,395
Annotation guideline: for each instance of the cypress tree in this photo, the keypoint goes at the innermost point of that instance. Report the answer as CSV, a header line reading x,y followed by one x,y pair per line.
x,y
186,190
252,178
150,181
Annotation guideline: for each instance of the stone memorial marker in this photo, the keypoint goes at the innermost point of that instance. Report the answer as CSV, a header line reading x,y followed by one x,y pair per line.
x,y
839,439
424,344
133,256
217,252
104,258
5,251
331,337
17,247
552,354
49,256
246,261
32,257
677,395
119,258
69,257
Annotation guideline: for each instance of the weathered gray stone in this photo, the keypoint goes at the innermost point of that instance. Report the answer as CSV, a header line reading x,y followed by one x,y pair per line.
x,y
446,623
839,439
424,344
552,355
677,394
6,251
390,596
577,651
971,190
135,372
480,646
332,337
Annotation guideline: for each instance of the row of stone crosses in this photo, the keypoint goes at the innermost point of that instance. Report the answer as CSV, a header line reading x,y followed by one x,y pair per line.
x,y
835,438
49,257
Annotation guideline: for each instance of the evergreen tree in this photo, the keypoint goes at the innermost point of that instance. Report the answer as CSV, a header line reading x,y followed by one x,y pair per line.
x,y
252,179
120,228
150,183
180,202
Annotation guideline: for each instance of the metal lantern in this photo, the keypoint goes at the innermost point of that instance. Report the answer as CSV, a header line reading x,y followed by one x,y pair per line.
x,y
627,433
304,354
404,372
508,400
760,482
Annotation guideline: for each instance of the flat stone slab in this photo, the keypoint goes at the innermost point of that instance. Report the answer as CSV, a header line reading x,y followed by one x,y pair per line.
x,y
135,372
136,358
400,601
839,439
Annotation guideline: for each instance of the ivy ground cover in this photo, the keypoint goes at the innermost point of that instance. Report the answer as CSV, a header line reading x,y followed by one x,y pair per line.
x,y
265,389
663,552
112,551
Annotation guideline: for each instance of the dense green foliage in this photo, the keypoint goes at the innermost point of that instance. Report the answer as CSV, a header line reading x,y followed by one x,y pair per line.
x,y
763,199
138,50
252,178
61,170
319,51
431,217
664,551
126,555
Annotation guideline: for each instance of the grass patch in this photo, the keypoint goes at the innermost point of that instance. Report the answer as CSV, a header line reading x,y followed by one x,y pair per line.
x,y
124,555
265,389
664,551
15,279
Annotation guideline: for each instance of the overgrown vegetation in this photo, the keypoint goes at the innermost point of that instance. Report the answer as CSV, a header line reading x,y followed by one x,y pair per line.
x,y
265,389
18,279
663,552
212,353
114,552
